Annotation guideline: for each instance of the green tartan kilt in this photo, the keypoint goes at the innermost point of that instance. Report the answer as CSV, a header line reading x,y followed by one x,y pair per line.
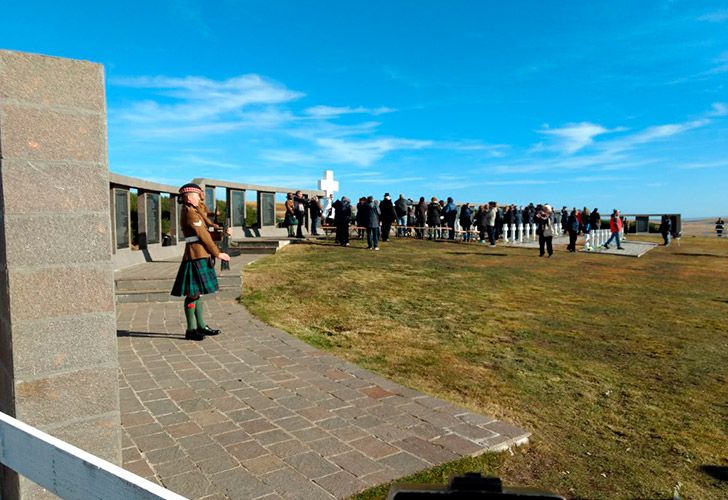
x,y
195,277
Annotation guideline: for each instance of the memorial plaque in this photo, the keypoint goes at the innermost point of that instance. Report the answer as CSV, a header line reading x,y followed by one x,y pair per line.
x,y
237,208
267,209
210,198
642,224
153,218
121,217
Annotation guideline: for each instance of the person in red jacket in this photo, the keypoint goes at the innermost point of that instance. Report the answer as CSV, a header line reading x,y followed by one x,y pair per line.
x,y
615,226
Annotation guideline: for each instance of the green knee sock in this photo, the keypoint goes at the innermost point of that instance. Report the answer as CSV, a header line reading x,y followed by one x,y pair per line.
x,y
190,313
199,311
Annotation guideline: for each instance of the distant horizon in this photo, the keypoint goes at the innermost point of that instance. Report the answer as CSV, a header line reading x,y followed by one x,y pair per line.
x,y
615,103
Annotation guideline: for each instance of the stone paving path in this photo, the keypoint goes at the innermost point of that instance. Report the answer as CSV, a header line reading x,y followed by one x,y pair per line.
x,y
256,413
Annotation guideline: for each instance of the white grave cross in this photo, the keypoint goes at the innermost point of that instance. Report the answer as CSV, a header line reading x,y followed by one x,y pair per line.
x,y
328,185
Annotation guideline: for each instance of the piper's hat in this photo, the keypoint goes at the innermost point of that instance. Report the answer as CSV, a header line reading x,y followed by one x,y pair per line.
x,y
191,188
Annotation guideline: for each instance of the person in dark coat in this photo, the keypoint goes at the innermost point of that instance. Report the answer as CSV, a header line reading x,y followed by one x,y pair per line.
x,y
450,214
299,208
388,216
466,220
433,218
400,209
420,217
572,227
545,230
371,220
666,229
360,217
314,213
342,218
564,220
481,222
595,219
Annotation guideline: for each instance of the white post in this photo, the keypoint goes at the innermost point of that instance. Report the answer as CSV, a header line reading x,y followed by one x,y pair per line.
x,y
505,233
527,227
533,231
520,233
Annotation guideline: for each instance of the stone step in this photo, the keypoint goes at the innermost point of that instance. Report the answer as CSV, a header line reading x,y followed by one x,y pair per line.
x,y
225,293
139,285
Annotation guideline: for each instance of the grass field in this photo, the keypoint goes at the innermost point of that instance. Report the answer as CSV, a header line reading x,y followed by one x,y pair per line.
x,y
619,366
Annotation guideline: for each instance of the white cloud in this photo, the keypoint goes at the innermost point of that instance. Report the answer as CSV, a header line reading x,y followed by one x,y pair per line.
x,y
575,136
703,165
200,98
367,151
718,109
715,17
333,112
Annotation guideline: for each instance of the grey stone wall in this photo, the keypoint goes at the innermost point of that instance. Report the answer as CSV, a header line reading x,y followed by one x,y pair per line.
x,y
58,360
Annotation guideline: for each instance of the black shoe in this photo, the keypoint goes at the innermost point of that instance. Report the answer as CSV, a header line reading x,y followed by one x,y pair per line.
x,y
208,331
194,335
620,248
606,246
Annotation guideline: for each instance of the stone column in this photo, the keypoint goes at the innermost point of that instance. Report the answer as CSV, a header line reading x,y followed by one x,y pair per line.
x,y
142,219
58,360
174,212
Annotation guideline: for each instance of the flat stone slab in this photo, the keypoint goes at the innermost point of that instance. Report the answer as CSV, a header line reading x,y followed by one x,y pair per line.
x,y
256,412
631,249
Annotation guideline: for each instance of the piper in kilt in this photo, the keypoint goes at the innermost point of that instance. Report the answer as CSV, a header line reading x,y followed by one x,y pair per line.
x,y
196,275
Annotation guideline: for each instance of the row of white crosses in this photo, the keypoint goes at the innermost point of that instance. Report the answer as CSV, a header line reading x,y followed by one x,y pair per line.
x,y
519,232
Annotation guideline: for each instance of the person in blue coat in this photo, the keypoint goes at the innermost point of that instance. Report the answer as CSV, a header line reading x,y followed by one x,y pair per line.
x,y
371,218
466,220
450,213
572,227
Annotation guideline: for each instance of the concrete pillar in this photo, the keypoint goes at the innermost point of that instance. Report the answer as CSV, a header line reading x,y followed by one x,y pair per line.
x,y
58,360
174,213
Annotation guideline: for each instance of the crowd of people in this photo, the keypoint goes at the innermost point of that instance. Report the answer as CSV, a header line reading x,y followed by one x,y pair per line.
x,y
444,219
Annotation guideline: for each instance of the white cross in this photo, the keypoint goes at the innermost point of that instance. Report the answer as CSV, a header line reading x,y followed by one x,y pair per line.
x,y
328,185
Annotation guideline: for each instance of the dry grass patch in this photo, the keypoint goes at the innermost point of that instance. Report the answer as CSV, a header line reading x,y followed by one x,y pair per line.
x,y
617,365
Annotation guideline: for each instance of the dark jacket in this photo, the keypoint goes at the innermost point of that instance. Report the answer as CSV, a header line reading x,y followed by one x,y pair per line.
x,y
386,210
314,208
466,216
400,207
433,214
371,214
595,220
572,223
666,225
518,217
421,213
360,215
342,212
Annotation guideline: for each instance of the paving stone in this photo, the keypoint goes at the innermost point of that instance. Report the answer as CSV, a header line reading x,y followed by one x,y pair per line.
x,y
264,464
217,464
404,463
153,442
160,456
253,427
311,464
173,418
287,448
425,450
206,452
190,484
139,467
293,423
232,437
183,429
341,484
168,469
291,484
349,433
271,437
246,450
329,446
356,463
240,484
137,418
373,447
459,445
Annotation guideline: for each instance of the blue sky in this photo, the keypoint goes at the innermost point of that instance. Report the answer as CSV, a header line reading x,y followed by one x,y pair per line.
x,y
618,104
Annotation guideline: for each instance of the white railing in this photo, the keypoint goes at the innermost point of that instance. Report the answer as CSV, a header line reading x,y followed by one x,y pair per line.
x,y
67,471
